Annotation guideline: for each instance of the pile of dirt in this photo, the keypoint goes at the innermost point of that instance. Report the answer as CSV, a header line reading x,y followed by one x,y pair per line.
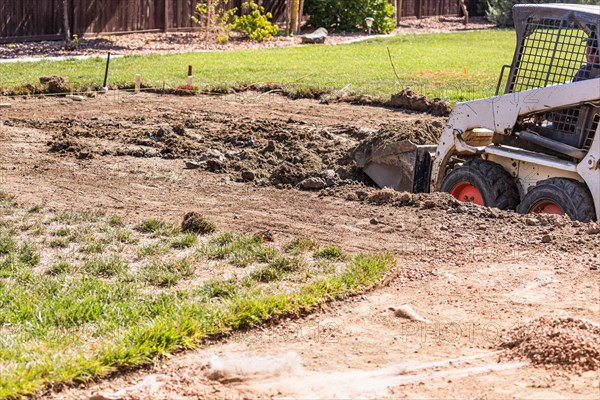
x,y
55,84
419,132
564,342
410,100
289,153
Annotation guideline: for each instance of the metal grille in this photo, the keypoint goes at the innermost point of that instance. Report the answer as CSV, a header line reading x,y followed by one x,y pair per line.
x,y
592,132
552,51
564,121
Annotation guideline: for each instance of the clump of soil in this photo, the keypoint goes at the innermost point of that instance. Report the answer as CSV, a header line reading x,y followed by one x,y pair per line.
x,y
410,100
55,84
418,131
196,223
564,342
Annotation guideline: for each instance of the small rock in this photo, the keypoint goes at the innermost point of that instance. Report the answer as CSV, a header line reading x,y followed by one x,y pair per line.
x,y
593,230
192,164
215,166
531,221
351,197
330,177
248,176
482,227
317,36
312,183
546,239
75,97
211,154
374,221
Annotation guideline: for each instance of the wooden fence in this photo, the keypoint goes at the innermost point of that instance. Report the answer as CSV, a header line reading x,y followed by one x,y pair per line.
x,y
426,8
43,19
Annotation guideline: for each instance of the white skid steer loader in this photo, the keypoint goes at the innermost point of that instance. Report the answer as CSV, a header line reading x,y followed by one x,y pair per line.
x,y
533,149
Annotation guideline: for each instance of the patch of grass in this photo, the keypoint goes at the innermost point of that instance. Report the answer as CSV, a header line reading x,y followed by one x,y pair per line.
x,y
266,274
166,273
105,266
330,253
121,235
240,249
7,244
29,255
432,64
157,227
60,267
216,288
34,209
277,268
153,249
6,198
59,243
300,245
185,241
92,245
71,217
70,319
62,232
138,326
115,221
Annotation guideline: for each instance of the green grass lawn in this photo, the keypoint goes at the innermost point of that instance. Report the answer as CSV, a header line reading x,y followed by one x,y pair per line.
x,y
432,64
84,294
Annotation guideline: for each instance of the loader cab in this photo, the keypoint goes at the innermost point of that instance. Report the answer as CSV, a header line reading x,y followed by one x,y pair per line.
x,y
556,44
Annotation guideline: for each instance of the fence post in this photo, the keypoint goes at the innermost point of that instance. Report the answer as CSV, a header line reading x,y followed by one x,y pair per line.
x,y
166,16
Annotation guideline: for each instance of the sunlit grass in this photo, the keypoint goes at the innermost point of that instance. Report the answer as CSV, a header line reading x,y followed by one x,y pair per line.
x,y
453,66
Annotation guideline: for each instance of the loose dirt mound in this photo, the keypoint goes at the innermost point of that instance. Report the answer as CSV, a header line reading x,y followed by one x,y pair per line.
x,y
55,84
419,132
564,342
268,152
408,99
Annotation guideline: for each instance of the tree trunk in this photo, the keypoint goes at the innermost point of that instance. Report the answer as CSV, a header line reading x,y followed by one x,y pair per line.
x,y
66,27
288,17
300,14
465,12
294,17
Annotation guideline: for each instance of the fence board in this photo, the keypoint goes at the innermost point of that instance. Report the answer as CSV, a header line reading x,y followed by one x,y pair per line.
x,y
33,19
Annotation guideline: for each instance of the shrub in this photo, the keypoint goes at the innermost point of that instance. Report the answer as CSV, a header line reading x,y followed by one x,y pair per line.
x,y
215,19
256,24
349,15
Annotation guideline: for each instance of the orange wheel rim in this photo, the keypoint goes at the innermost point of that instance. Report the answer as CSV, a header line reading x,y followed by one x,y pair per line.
x,y
547,207
464,191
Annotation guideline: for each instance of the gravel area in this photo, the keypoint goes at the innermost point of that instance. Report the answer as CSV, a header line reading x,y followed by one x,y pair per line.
x,y
564,342
178,42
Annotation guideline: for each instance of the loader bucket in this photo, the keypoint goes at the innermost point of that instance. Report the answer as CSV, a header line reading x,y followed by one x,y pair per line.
x,y
402,166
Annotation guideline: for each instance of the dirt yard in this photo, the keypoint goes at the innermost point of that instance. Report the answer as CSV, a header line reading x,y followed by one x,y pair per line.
x,y
502,306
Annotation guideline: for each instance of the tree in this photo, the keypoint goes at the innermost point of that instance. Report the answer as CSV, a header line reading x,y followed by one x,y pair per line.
x,y
66,27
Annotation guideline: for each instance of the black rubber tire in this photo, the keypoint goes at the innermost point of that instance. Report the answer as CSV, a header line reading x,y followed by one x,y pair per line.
x,y
572,196
498,189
